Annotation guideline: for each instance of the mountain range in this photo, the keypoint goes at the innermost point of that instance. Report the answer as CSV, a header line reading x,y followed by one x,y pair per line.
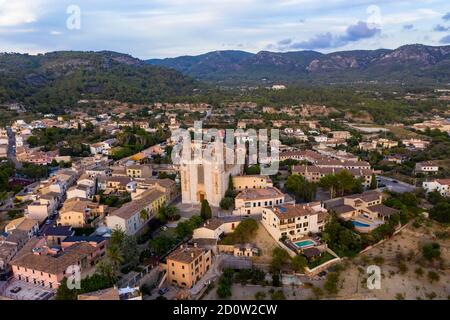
x,y
59,79
410,64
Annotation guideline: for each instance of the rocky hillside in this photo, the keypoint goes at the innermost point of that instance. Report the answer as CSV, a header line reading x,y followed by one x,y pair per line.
x,y
414,64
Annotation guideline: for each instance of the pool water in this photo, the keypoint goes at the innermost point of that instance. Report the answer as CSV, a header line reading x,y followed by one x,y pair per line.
x,y
360,224
304,243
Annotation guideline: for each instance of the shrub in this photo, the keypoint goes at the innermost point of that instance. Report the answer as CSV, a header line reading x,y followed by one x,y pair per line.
x,y
260,295
278,295
431,251
331,284
226,203
433,276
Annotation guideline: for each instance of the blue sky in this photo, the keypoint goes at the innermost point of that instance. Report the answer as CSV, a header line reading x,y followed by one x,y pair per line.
x,y
169,28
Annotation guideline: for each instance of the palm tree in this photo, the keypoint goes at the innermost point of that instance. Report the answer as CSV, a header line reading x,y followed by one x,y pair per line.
x,y
115,256
117,237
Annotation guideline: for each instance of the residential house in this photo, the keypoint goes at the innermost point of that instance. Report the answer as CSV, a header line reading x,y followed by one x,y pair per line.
x,y
55,235
113,184
97,242
252,201
79,213
315,173
415,144
366,207
440,185
43,207
139,171
29,226
294,221
251,182
133,216
44,267
426,167
187,265
167,186
216,227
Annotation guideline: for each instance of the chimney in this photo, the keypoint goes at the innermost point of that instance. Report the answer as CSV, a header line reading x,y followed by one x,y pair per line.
x,y
195,244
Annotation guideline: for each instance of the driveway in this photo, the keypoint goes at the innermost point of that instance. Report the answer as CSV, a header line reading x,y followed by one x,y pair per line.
x,y
395,185
28,291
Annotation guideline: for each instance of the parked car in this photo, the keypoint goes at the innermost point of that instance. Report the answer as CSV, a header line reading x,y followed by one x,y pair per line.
x,y
16,289
163,291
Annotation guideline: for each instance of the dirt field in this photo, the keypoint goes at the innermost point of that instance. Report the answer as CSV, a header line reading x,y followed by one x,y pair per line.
x,y
397,283
403,133
264,241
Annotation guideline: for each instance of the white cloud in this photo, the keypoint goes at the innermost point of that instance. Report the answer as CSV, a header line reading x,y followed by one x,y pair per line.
x,y
17,12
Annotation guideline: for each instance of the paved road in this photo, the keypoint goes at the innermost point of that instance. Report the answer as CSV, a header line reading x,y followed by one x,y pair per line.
x,y
395,185
12,148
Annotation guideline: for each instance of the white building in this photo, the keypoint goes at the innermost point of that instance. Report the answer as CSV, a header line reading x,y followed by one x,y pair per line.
x,y
440,185
252,201
81,191
129,218
216,227
426,167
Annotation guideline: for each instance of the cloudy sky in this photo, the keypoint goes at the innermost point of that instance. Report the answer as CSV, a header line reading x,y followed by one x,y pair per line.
x,y
169,28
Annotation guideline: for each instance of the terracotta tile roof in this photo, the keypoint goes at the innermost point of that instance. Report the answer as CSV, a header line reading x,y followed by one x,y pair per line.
x,y
186,254
443,181
343,209
257,194
131,208
383,210
23,223
366,196
293,211
54,264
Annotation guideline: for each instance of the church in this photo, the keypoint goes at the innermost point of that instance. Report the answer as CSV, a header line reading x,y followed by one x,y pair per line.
x,y
206,179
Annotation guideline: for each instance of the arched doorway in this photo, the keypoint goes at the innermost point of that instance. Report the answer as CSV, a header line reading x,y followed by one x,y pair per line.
x,y
201,196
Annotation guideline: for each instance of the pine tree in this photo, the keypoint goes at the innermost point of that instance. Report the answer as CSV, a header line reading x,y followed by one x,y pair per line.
x,y
205,211
373,182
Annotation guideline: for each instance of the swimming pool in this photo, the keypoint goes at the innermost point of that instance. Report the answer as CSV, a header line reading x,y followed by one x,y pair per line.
x,y
360,224
304,243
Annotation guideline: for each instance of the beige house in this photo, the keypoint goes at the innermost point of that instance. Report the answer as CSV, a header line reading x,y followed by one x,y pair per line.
x,y
314,173
139,171
294,222
251,182
168,186
366,206
79,213
187,265
30,226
